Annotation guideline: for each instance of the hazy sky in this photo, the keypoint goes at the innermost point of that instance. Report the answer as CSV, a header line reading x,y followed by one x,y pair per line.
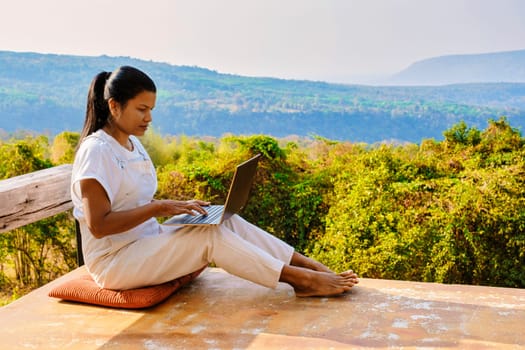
x,y
332,40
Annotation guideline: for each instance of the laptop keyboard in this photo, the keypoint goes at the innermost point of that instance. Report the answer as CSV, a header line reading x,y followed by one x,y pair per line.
x,y
214,212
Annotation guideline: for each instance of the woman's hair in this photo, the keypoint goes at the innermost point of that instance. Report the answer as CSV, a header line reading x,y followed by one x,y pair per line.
x,y
122,85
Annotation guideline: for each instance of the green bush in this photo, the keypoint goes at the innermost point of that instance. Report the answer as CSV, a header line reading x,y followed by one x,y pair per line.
x,y
442,214
449,211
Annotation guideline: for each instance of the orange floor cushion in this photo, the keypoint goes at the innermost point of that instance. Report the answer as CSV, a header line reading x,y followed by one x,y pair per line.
x,y
83,289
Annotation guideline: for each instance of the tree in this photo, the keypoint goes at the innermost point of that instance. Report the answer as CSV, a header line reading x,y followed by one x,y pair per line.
x,y
63,147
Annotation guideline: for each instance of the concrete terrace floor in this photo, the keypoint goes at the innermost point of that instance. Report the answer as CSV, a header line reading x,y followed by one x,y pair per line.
x,y
220,311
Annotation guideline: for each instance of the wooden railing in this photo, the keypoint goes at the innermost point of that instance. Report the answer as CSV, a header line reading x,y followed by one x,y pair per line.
x,y
35,196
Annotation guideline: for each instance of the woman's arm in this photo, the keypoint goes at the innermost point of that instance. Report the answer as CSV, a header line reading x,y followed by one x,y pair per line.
x,y
102,221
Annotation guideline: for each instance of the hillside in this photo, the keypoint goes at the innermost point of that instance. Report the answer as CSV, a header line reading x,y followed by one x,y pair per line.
x,y
46,93
480,68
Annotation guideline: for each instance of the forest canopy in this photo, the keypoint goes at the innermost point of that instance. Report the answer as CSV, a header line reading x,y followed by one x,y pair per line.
x,y
47,93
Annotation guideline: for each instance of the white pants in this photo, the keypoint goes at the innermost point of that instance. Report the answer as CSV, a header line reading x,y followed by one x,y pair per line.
x,y
237,246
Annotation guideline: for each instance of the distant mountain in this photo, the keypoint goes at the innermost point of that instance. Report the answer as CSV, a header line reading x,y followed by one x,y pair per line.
x,y
496,67
47,94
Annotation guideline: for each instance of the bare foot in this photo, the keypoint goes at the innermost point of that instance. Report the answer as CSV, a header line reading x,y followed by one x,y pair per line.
x,y
307,283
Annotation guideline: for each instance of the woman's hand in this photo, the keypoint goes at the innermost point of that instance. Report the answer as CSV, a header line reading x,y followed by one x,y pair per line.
x,y
168,207
102,221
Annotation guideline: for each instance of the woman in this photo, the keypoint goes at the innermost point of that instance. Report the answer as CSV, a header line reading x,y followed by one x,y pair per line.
x,y
113,184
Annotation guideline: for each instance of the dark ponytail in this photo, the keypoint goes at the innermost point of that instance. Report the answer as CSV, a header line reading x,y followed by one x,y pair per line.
x,y
97,108
122,85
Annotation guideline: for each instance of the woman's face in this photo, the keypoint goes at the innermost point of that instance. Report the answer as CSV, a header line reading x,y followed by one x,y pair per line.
x,y
135,116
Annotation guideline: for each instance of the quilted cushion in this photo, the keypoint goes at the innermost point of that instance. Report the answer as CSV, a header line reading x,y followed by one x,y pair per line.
x,y
83,289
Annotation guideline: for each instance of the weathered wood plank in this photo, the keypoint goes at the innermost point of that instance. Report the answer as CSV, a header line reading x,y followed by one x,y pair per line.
x,y
28,198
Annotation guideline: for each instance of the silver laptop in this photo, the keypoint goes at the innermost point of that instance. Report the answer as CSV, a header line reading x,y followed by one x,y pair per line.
x,y
235,201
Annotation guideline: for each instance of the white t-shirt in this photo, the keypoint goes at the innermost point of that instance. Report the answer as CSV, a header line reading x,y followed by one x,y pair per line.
x,y
129,179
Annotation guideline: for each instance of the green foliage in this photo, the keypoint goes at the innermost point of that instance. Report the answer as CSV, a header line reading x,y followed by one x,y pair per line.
x,y
264,145
450,211
460,134
23,156
63,147
422,216
42,251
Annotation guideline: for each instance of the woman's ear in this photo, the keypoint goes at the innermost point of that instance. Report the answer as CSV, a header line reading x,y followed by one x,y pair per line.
x,y
114,107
